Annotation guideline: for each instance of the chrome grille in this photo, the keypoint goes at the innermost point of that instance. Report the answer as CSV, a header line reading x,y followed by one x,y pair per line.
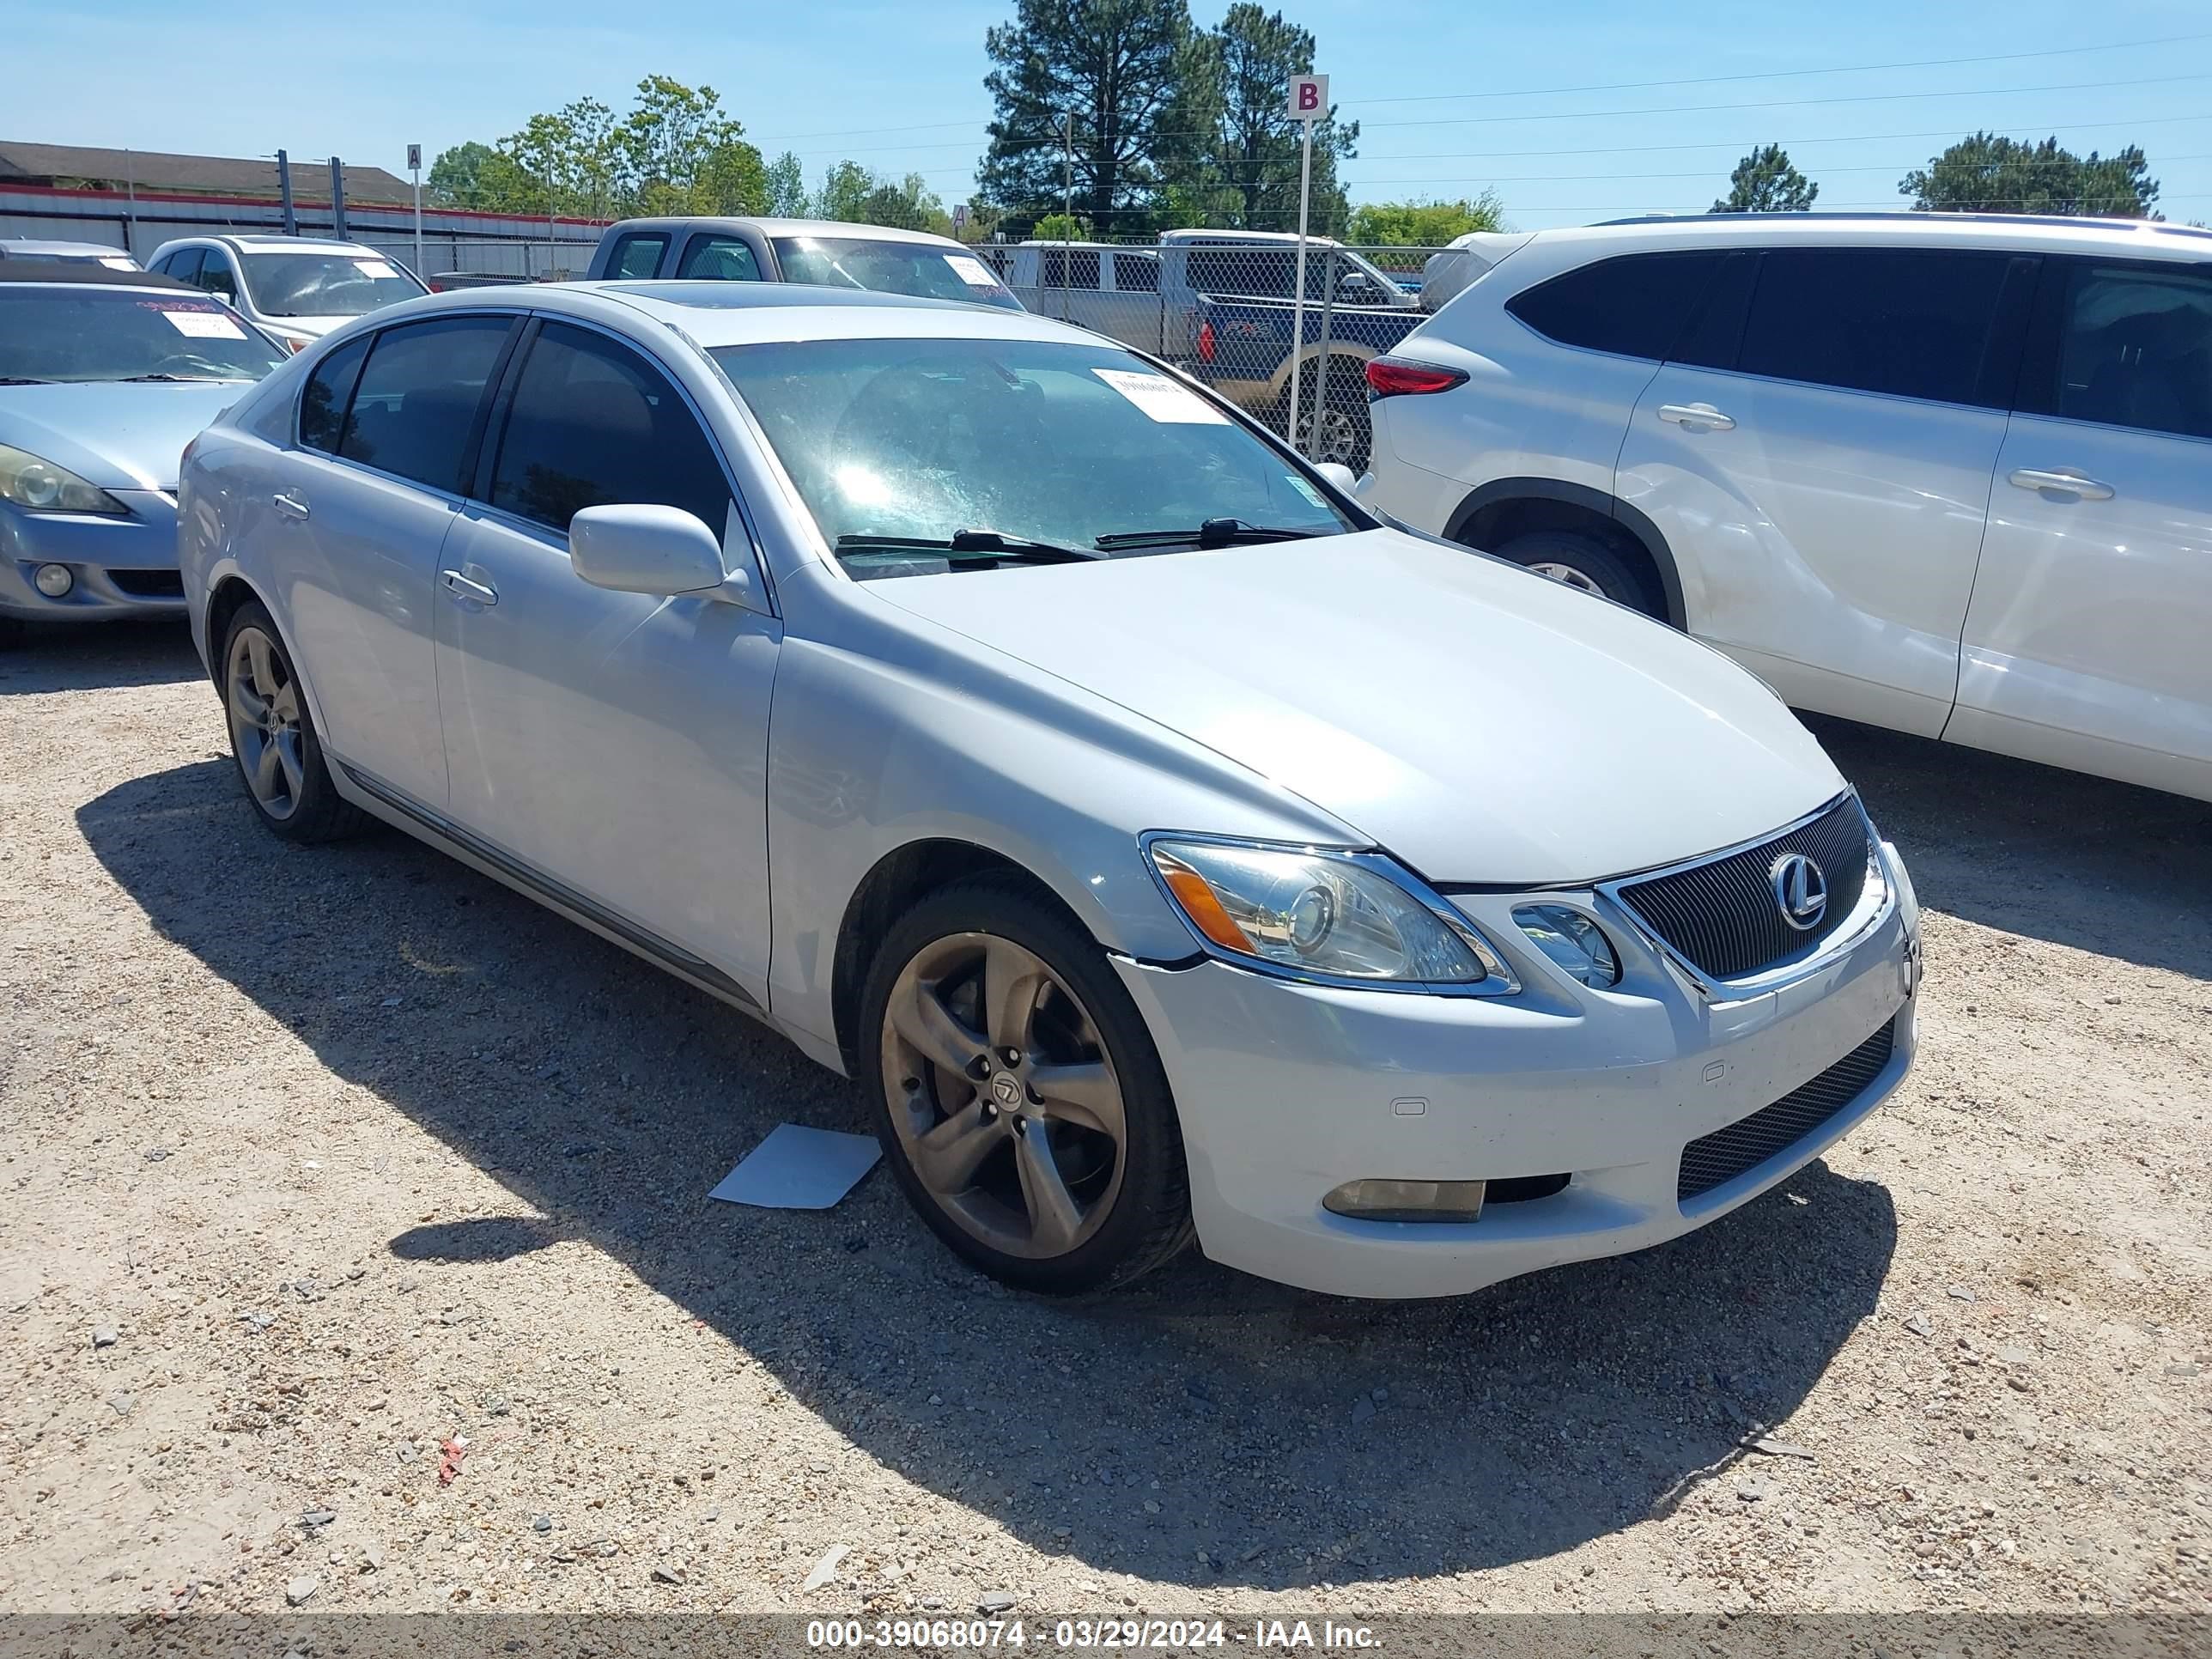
x,y
1722,916
1722,1155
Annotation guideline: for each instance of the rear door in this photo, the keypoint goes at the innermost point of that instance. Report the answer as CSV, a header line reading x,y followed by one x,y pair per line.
x,y
1818,456
2089,643
387,424
610,747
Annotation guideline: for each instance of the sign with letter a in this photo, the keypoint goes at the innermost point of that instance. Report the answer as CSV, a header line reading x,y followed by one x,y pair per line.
x,y
1309,97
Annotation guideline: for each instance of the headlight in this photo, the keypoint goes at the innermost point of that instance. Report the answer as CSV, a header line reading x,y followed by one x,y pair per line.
x,y
1572,940
30,482
1349,917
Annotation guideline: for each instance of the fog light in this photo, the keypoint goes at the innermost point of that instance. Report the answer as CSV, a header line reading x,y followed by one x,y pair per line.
x,y
54,581
1406,1201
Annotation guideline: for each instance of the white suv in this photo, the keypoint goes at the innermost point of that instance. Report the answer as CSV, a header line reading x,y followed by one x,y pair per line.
x,y
1950,475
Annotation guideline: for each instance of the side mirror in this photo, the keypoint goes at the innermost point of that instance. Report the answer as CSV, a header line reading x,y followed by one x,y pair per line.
x,y
1339,475
639,548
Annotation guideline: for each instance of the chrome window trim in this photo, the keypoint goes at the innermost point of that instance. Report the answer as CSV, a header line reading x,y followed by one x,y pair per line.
x,y
1462,928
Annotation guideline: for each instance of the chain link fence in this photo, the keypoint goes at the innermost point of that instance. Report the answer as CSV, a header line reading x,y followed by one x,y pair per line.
x,y
1223,306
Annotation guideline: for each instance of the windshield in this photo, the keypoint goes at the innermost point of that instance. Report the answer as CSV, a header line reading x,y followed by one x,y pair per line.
x,y
921,269
75,334
1037,442
325,284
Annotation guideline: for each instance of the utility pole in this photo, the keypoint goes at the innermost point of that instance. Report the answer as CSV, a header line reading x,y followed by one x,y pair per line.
x,y
415,167
337,198
1067,209
131,189
284,193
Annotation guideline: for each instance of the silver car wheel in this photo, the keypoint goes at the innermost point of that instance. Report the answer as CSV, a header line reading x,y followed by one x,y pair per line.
x,y
1568,577
1002,1095
263,704
1339,436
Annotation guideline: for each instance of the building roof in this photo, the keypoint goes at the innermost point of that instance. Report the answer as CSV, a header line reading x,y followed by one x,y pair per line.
x,y
161,170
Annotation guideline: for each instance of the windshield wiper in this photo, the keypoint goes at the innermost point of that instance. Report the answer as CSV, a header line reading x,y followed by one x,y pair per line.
x,y
973,543
25,380
122,379
1214,532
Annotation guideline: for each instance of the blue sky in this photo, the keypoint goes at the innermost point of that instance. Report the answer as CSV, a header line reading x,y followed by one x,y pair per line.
x,y
1452,96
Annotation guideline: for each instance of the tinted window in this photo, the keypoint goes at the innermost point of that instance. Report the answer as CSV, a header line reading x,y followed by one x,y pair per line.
x,y
1915,323
1635,305
720,259
1071,268
185,265
329,389
637,254
2134,348
216,274
1137,273
418,397
1266,271
594,423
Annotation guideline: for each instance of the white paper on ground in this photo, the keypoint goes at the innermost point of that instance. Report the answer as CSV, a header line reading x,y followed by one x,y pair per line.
x,y
797,1168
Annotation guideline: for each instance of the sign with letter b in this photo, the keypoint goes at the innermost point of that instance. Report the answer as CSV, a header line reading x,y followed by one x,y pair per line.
x,y
1309,98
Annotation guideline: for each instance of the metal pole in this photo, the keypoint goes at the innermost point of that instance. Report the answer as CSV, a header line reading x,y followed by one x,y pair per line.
x,y
1320,364
1298,326
1067,212
130,188
338,199
284,193
415,159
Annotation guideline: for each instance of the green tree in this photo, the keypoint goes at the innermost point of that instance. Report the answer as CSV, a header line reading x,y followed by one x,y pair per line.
x,y
1114,66
1061,228
464,176
786,187
1425,224
1252,146
1984,172
682,154
844,192
1766,181
566,162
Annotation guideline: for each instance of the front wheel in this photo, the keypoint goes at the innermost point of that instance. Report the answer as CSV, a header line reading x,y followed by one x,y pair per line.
x,y
1022,1104
1582,562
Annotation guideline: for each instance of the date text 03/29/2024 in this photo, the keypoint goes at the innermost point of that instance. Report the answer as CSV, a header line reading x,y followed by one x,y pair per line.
x,y
1162,1634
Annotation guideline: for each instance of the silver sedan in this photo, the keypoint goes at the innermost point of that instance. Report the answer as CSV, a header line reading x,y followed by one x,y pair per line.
x,y
1170,848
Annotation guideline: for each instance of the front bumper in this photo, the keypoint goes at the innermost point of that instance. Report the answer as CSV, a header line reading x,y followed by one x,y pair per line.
x,y
1287,1090
120,566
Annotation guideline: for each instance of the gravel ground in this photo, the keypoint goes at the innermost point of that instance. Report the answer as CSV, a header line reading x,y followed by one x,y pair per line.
x,y
356,1251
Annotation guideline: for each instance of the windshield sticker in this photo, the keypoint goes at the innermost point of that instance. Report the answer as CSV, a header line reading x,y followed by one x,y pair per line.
x,y
120,263
376,269
971,270
1162,398
204,324
1307,490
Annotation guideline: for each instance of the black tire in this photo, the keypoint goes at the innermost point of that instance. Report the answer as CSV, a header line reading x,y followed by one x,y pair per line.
x,y
1595,566
316,812
13,632
1148,1221
1348,423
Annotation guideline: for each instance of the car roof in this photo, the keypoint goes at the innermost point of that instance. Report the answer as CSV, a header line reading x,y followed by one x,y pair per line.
x,y
58,275
2022,232
272,243
1256,238
784,227
21,248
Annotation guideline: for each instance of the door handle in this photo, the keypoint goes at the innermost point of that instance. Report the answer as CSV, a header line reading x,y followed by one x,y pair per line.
x,y
2071,484
291,508
468,589
1702,415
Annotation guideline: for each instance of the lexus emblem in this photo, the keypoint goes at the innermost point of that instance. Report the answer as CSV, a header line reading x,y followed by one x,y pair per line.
x,y
1800,889
1006,1088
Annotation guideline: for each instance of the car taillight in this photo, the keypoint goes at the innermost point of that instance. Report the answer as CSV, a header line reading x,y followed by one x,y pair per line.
x,y
1389,377
1205,342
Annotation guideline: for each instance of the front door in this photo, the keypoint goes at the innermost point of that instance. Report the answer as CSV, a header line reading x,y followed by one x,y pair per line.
x,y
368,495
610,747
1819,459
2089,641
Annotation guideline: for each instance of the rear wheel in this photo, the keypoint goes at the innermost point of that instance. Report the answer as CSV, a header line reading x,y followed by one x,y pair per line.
x,y
1583,562
1022,1104
272,735
1345,435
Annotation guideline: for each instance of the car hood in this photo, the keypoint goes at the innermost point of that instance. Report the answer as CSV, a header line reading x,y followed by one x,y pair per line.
x,y
1483,724
118,436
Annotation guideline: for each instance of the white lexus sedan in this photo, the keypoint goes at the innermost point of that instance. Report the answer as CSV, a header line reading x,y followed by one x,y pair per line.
x,y
1168,848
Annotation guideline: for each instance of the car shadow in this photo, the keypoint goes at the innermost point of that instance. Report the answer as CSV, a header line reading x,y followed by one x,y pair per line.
x,y
2054,856
1202,1429
86,656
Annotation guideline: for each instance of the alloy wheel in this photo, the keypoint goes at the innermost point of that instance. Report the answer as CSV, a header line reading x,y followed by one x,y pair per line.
x,y
1002,1095
1339,440
1567,576
263,704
